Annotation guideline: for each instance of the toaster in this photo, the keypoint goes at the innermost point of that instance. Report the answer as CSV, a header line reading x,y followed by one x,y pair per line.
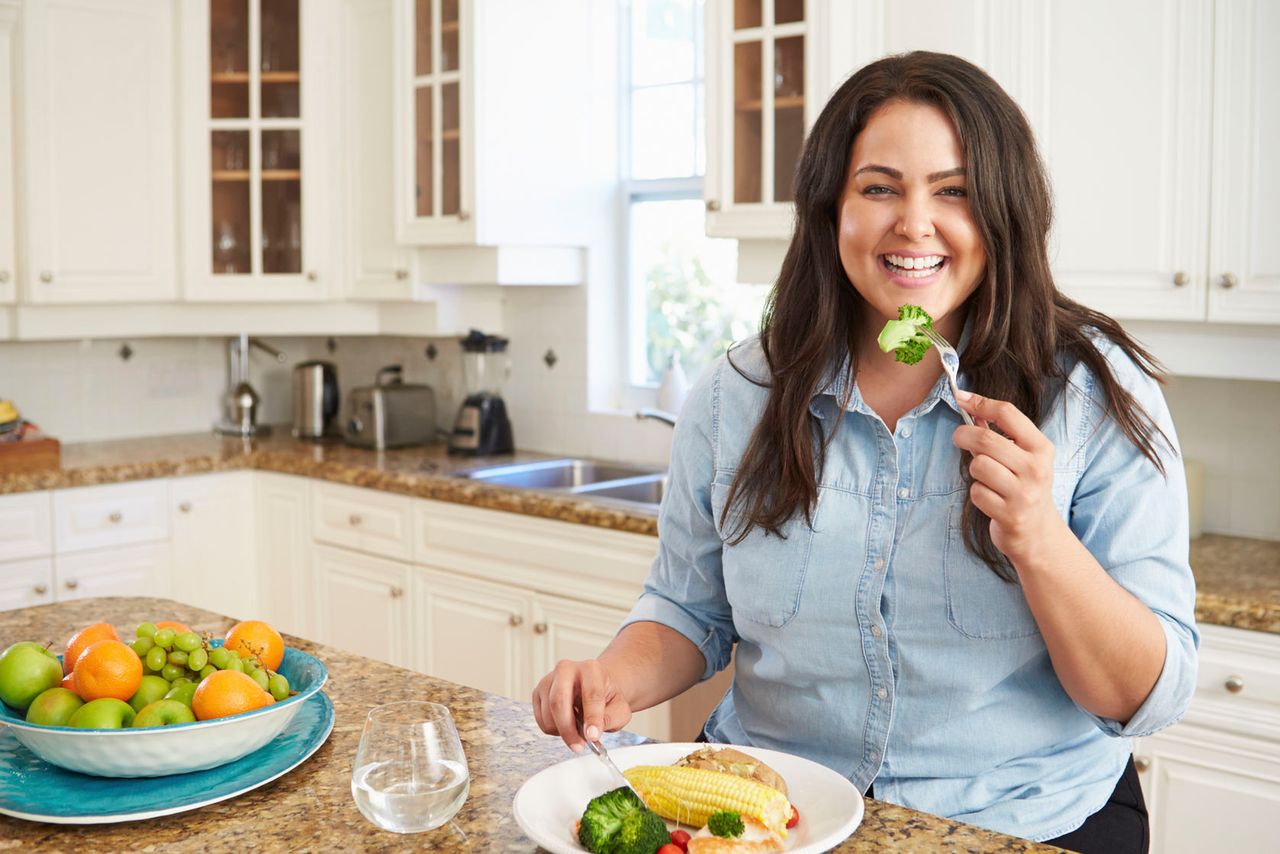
x,y
390,414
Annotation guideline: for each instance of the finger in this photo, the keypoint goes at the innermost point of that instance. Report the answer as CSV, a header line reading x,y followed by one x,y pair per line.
x,y
617,713
987,500
1011,421
994,475
561,696
982,442
592,691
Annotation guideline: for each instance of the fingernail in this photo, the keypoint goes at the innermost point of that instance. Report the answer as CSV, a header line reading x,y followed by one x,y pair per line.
x,y
593,733
576,747
961,394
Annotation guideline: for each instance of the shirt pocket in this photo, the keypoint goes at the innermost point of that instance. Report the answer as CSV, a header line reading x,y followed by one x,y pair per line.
x,y
763,574
980,604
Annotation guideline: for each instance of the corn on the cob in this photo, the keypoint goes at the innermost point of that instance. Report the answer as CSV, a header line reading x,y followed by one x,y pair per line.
x,y
691,795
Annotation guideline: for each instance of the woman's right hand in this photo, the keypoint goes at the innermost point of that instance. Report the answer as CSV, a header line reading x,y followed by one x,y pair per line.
x,y
574,685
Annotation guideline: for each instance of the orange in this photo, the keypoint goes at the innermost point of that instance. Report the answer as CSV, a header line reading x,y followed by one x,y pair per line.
x,y
108,668
177,627
228,692
256,638
80,641
68,682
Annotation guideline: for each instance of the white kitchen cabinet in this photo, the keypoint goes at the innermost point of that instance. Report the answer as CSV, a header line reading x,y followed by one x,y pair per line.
x,y
24,583
360,604
138,570
99,198
491,139
8,221
26,525
97,517
257,121
1212,781
364,520
214,547
285,579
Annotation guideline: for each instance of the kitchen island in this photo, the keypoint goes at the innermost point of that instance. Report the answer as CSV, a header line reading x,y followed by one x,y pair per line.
x,y
311,808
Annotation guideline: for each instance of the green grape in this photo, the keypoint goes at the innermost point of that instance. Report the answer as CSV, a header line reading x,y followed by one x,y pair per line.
x,y
184,678
207,671
187,641
172,671
234,663
156,658
147,630
278,686
260,676
197,659
142,646
178,657
220,657
164,638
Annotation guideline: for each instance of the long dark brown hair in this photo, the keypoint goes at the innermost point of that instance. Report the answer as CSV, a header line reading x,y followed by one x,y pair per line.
x,y
1019,322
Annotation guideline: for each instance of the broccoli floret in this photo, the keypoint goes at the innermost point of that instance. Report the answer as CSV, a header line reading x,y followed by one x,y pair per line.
x,y
725,823
904,336
618,822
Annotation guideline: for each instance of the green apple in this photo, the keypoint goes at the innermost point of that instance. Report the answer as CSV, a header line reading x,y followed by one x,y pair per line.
x,y
152,688
164,713
53,707
27,670
182,693
103,713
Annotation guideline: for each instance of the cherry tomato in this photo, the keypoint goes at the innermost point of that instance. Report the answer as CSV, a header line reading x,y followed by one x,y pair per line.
x,y
795,817
670,848
680,838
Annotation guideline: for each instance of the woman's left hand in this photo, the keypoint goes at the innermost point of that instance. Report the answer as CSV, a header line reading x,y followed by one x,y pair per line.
x,y
1012,475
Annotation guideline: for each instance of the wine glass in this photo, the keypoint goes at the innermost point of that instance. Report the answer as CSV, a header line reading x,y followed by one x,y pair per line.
x,y
410,773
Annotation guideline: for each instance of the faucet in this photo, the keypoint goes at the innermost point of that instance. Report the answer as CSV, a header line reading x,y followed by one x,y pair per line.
x,y
668,418
241,399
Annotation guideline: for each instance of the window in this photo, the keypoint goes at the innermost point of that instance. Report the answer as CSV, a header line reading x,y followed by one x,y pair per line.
x,y
682,297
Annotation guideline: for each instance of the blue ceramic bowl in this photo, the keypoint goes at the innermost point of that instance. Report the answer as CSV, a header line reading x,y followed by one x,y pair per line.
x,y
175,749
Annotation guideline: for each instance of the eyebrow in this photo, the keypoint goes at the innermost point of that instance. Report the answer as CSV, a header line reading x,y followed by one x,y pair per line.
x,y
897,175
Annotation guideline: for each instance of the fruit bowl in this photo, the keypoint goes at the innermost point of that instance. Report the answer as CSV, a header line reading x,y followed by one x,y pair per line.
x,y
175,749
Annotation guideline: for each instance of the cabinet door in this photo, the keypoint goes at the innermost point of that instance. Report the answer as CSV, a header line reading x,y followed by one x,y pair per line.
x,y
360,604
256,101
116,514
564,629
128,571
1244,257
8,269
472,632
26,525
1128,117
377,267
24,583
98,160
284,552
213,543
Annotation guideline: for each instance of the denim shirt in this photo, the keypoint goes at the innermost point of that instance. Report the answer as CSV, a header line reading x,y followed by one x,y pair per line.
x,y
876,644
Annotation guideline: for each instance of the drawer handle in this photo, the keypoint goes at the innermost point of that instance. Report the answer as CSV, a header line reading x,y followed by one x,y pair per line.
x,y
396,592
185,507
515,620
1142,763
41,589
539,628
355,519
72,584
1234,684
115,517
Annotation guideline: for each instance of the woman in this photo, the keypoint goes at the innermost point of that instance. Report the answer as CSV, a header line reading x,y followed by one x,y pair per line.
x,y
967,620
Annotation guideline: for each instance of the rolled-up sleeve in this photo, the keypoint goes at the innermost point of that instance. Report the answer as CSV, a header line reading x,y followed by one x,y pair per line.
x,y
1133,519
685,588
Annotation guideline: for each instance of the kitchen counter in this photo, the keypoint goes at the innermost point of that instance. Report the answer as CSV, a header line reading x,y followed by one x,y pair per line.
x,y
1237,579
311,809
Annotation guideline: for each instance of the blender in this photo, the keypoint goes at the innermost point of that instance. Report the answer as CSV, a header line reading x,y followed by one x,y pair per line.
x,y
482,426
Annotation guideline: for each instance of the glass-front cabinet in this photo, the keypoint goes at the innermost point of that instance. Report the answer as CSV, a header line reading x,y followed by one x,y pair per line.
x,y
254,130
760,103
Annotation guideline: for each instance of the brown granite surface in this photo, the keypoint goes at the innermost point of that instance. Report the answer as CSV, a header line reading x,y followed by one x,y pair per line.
x,y
1237,579
311,809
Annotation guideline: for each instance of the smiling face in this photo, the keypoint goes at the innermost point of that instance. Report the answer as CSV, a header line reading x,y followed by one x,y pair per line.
x,y
907,234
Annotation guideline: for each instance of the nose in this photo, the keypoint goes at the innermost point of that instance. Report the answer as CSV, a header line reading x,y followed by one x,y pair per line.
x,y
915,219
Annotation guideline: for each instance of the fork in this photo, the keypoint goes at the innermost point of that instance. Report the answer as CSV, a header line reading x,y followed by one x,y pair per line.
x,y
950,364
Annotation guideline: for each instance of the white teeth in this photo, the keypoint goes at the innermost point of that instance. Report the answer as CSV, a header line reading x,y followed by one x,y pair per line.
x,y
915,268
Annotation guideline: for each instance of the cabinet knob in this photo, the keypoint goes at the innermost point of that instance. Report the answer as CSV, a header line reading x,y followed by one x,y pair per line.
x,y
355,519
1228,280
401,275
312,275
397,592
71,584
115,517
185,507
463,216
515,620
4,276
539,628
1234,684
40,589
1142,763
46,276
712,205
1180,278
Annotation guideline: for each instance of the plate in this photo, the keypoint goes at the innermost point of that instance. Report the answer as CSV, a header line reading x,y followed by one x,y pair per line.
x,y
549,802
33,789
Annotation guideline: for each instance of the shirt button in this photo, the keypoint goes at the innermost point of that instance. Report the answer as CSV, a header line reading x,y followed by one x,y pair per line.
x,y
873,755
903,492
875,630
879,563
906,432
881,693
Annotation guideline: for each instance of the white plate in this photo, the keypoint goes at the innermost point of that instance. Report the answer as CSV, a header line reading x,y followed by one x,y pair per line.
x,y
550,801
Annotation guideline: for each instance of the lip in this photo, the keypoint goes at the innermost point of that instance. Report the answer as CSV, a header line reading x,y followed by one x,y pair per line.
x,y
913,282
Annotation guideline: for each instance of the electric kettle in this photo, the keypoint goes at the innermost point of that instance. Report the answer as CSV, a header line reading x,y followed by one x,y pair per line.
x,y
315,400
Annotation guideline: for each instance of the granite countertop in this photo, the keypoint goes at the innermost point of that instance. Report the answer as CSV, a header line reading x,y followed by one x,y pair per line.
x,y
311,809
1237,579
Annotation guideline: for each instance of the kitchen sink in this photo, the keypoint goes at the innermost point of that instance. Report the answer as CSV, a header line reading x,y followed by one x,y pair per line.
x,y
634,484
641,490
